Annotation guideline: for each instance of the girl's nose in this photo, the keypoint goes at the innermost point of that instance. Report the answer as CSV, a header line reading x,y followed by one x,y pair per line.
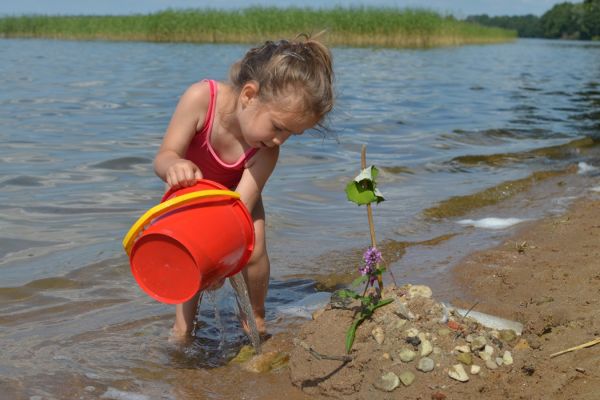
x,y
280,138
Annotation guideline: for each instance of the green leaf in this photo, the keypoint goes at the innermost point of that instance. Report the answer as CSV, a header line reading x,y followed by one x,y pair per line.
x,y
383,303
363,188
351,333
359,280
345,293
370,174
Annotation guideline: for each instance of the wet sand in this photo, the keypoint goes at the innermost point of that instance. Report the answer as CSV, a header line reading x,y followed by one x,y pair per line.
x,y
546,276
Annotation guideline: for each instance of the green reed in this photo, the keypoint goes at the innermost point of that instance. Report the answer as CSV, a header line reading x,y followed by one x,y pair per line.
x,y
384,27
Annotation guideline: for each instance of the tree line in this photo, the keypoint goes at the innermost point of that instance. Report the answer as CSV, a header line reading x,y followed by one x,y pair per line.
x,y
563,21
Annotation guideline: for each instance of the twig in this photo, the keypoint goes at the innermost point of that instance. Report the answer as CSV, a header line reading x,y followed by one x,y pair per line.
x,y
462,318
581,346
320,356
363,165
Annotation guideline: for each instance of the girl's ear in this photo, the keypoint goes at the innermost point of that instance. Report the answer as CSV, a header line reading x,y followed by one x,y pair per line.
x,y
249,93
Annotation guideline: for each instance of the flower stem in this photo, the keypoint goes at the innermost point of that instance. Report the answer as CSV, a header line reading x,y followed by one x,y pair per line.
x,y
363,164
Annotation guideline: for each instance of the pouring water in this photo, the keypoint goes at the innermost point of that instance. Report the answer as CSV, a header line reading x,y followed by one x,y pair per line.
x,y
243,301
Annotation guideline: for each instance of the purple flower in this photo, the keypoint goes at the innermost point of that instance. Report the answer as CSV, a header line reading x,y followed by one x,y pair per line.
x,y
371,257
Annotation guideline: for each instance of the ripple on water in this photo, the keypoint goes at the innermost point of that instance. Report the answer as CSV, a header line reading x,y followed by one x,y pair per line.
x,y
23,180
122,163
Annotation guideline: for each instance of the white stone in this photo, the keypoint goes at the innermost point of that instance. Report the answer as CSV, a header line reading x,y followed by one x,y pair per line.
x,y
499,361
475,369
425,348
388,382
507,358
488,349
412,332
420,291
491,364
407,355
478,343
378,334
462,349
458,373
425,364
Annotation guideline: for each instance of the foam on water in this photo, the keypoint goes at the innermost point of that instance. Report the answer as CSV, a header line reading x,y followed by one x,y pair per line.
x,y
595,189
304,307
491,222
584,168
115,394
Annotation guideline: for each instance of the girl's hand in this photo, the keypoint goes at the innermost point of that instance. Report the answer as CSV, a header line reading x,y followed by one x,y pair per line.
x,y
182,173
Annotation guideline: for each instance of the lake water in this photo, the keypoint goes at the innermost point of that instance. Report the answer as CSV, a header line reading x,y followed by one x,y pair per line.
x,y
81,121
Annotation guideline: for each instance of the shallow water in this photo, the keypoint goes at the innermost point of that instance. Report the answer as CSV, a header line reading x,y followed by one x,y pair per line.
x,y
455,130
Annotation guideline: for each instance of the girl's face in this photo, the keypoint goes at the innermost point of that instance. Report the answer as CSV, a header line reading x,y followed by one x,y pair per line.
x,y
271,124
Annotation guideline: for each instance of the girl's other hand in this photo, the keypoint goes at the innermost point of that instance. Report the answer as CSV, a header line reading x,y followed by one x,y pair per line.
x,y
182,173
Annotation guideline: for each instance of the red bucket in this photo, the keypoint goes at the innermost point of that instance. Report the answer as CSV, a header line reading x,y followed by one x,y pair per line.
x,y
196,237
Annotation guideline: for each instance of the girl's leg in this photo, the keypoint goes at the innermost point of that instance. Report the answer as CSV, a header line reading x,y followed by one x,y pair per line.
x,y
185,313
257,271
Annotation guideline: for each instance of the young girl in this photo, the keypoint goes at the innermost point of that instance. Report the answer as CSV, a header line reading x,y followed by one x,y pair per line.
x,y
231,132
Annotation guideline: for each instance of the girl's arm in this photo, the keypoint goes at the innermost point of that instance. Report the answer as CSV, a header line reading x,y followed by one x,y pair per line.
x,y
256,174
169,163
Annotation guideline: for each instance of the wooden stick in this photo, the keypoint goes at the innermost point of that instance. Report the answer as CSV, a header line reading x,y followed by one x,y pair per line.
x,y
581,346
363,165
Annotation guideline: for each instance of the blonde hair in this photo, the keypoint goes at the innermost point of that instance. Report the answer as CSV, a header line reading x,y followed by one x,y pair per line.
x,y
302,65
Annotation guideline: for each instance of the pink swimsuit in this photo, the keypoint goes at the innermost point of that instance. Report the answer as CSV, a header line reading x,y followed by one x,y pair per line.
x,y
204,156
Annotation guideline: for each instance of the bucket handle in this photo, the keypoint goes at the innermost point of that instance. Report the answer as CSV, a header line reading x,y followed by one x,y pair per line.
x,y
167,206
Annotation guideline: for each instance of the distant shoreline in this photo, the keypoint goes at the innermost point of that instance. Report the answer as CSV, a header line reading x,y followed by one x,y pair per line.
x,y
363,27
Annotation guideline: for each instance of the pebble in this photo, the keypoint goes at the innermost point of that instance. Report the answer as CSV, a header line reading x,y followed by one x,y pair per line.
x,y
407,378
478,343
387,382
484,356
437,350
458,373
425,348
414,340
508,335
89,389
491,364
403,312
469,338
386,356
507,358
407,355
465,358
499,361
462,349
420,291
411,332
425,364
378,335
488,349
475,369
444,332
399,324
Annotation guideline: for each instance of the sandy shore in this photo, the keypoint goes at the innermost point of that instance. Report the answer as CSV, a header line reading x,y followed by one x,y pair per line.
x,y
546,276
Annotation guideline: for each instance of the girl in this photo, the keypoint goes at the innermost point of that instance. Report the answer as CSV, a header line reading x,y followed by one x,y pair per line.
x,y
231,132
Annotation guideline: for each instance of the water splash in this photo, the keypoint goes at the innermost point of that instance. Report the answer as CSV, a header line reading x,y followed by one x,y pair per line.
x,y
243,301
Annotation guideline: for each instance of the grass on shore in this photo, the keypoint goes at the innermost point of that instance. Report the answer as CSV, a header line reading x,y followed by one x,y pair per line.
x,y
383,27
